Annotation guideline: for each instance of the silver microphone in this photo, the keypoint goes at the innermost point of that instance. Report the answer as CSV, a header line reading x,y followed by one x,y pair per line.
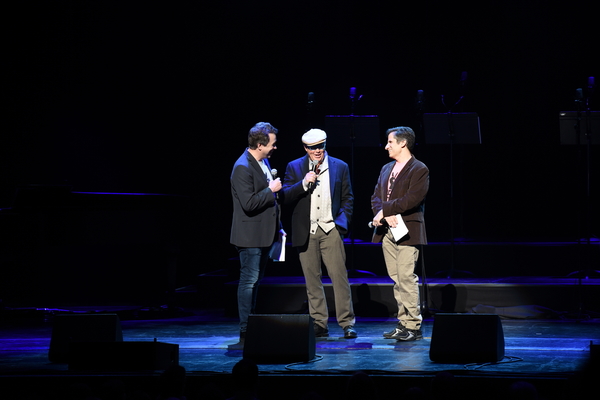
x,y
313,167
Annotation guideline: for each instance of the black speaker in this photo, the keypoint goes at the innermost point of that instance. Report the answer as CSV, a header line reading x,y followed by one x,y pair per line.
x,y
466,338
122,356
279,338
73,328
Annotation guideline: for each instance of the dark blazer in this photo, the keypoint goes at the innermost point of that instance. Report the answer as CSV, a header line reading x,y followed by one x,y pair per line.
x,y
255,220
342,199
407,199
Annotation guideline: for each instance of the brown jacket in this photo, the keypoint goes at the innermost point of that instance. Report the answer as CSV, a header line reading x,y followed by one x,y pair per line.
x,y
407,199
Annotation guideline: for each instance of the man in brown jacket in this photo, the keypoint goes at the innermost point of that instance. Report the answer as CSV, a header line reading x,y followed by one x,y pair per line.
x,y
398,199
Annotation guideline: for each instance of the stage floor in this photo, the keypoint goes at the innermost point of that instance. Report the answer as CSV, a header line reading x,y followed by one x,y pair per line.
x,y
546,352
547,341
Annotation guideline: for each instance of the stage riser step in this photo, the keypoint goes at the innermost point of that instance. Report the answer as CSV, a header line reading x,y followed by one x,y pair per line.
x,y
378,300
481,260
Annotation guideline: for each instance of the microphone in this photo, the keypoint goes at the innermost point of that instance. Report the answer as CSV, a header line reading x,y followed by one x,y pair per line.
x,y
311,98
382,221
591,85
274,175
352,93
313,166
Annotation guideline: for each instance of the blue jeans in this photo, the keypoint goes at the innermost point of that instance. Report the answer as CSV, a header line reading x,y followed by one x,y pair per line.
x,y
253,262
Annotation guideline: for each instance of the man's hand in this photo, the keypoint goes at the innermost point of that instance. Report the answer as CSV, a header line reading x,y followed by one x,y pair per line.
x,y
392,221
275,185
310,177
377,218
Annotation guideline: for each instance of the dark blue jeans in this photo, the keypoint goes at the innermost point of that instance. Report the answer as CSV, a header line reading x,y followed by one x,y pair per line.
x,y
253,262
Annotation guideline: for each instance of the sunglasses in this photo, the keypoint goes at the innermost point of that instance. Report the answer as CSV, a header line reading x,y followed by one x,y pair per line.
x,y
319,146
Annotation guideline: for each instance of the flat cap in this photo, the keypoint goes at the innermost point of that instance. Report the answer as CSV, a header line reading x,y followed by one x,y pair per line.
x,y
313,137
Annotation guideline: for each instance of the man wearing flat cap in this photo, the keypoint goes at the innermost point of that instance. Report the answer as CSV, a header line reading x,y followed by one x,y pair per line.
x,y
319,190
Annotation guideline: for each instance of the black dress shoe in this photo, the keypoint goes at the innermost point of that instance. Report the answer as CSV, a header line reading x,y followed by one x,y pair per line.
x,y
349,332
320,331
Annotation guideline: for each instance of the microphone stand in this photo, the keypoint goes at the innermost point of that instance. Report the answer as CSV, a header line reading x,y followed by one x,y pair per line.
x,y
353,100
585,257
309,109
420,110
353,272
451,134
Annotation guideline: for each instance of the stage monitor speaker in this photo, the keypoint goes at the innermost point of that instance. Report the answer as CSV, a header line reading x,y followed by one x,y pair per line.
x,y
73,328
122,356
466,338
279,338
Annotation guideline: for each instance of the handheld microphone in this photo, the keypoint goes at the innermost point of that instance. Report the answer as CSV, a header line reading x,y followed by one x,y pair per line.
x,y
313,167
274,175
382,221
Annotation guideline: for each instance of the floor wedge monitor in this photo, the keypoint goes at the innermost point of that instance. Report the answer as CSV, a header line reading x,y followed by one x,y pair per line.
x,y
279,338
466,338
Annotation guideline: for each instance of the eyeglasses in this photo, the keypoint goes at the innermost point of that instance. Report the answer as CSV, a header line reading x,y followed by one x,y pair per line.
x,y
319,146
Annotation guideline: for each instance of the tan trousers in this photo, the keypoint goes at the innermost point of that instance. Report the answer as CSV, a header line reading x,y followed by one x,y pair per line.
x,y
400,262
329,248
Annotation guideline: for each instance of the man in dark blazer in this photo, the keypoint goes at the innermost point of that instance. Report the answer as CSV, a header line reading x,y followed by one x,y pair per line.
x,y
319,189
255,225
399,197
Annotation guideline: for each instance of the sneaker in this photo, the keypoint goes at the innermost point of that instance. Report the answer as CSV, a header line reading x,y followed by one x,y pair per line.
x,y
320,331
404,334
390,335
349,332
410,335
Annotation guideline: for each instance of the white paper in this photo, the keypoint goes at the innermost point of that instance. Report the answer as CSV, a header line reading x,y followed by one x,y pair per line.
x,y
282,254
400,230
277,252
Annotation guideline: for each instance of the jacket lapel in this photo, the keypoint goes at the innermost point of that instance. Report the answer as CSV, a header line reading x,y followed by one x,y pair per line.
x,y
254,164
304,166
386,178
332,175
402,173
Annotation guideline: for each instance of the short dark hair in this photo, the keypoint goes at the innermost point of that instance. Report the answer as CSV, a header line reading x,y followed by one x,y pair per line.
x,y
403,133
259,134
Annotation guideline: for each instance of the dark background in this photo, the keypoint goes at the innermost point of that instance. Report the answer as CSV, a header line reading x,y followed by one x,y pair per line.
x,y
158,97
